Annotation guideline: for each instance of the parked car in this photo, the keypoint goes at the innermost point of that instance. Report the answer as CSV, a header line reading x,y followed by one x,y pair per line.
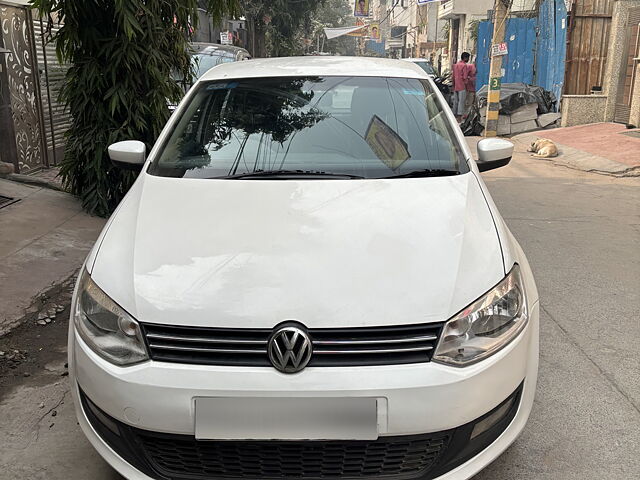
x,y
424,64
308,279
207,55
443,82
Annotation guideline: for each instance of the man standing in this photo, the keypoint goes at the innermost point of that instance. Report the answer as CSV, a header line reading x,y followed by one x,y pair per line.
x,y
471,87
460,81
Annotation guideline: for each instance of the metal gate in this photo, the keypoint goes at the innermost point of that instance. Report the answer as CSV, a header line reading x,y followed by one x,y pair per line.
x,y
536,48
24,88
628,73
57,118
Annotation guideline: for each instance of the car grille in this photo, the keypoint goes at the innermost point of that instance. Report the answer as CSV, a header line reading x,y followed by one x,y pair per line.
x,y
311,459
182,457
332,347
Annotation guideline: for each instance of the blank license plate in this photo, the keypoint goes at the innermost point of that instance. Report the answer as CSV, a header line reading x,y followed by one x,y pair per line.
x,y
246,418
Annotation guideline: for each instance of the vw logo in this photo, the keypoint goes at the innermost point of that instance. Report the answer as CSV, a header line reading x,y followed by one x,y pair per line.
x,y
289,349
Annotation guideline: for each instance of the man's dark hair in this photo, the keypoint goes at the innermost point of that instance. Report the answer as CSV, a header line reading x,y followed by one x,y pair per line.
x,y
465,56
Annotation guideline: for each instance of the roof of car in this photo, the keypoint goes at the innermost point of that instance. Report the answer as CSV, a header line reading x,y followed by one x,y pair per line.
x,y
201,48
417,59
316,66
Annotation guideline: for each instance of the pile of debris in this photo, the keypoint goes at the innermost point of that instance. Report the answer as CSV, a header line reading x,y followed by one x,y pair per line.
x,y
522,108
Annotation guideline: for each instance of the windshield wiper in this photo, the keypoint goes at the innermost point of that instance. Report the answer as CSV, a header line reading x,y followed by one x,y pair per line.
x,y
288,173
427,172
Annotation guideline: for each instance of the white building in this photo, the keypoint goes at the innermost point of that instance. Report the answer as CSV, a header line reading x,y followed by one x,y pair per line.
x,y
431,38
461,14
397,19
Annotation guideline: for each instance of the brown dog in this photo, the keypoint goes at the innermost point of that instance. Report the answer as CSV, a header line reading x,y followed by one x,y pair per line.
x,y
543,148
6,168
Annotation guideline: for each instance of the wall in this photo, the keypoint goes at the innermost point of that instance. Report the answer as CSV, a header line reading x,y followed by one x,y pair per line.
x,y
523,5
464,11
411,12
467,7
582,109
615,64
634,119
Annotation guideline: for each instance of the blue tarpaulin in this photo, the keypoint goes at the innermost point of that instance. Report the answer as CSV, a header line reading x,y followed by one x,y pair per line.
x,y
373,46
536,48
520,37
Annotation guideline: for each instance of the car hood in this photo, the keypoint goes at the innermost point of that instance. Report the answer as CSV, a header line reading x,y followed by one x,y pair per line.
x,y
253,253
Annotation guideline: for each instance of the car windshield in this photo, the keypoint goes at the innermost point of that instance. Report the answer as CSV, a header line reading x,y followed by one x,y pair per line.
x,y
356,127
427,67
203,62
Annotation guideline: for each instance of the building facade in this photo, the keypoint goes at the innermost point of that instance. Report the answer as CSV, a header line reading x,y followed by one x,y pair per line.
x,y
462,17
616,96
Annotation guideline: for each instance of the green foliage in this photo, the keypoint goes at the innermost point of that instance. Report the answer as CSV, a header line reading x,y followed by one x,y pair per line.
x,y
122,54
335,13
473,27
279,25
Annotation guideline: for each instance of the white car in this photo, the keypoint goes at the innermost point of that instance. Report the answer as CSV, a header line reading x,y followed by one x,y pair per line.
x,y
425,64
309,279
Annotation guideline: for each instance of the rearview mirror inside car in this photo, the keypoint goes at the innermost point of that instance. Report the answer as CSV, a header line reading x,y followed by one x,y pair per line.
x,y
129,154
493,153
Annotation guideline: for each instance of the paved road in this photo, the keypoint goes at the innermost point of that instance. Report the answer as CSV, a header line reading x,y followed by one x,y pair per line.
x,y
581,233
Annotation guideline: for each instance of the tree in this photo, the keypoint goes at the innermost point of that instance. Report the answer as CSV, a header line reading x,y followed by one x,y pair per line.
x,y
275,27
122,55
335,13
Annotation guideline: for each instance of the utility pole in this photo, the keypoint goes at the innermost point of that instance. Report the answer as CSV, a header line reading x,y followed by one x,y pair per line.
x,y
500,12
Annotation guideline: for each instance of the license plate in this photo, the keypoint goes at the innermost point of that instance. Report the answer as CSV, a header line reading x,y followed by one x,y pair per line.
x,y
247,418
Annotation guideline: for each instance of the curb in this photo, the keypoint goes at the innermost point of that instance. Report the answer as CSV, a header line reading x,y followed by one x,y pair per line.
x,y
580,160
35,181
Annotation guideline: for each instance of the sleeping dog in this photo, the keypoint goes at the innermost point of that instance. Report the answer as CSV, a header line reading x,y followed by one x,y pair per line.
x,y
543,148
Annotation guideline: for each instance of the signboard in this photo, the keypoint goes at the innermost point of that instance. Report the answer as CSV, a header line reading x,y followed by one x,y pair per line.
x,y
361,8
225,38
362,31
374,31
499,49
339,31
424,2
387,145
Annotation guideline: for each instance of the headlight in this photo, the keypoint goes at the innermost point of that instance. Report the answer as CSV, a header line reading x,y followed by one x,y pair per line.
x,y
485,326
110,331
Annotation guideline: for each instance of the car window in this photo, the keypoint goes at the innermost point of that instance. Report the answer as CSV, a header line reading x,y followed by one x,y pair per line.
x,y
369,127
203,63
427,67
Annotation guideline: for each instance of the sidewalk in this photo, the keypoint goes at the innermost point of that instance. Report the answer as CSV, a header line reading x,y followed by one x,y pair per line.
x,y
44,238
605,148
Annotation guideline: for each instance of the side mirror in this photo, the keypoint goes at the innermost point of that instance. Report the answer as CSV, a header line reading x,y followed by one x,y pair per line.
x,y
130,154
494,153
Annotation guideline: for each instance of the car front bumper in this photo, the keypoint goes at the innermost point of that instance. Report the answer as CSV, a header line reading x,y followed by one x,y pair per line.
x,y
417,401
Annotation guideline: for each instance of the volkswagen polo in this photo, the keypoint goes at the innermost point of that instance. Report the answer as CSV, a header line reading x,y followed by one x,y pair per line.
x,y
308,279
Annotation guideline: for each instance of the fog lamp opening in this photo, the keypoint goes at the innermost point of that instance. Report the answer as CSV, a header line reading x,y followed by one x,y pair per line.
x,y
488,422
